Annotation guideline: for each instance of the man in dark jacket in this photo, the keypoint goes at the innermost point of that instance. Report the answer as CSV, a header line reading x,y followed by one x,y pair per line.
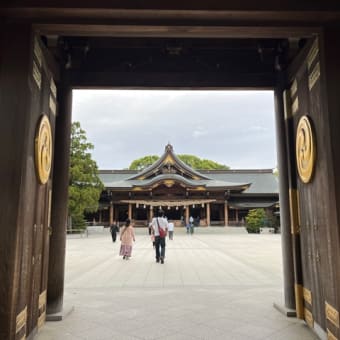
x,y
114,229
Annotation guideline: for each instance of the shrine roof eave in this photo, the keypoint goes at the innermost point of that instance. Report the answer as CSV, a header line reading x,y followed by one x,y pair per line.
x,y
171,178
256,194
251,205
176,179
171,203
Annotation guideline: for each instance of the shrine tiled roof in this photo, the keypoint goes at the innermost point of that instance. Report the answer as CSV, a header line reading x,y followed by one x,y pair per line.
x,y
169,168
262,180
257,181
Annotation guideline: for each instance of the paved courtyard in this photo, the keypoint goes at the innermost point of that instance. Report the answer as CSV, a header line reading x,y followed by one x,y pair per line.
x,y
215,284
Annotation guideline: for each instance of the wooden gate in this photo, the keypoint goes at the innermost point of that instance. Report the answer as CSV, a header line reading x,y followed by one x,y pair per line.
x,y
312,207
36,196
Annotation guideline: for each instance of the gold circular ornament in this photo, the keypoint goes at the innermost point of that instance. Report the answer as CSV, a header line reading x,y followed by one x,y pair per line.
x,y
305,149
43,149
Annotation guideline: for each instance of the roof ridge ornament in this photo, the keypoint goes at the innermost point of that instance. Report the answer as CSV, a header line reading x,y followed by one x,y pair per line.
x,y
169,148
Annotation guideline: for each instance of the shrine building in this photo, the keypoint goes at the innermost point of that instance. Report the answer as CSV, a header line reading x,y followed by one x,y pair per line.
x,y
211,197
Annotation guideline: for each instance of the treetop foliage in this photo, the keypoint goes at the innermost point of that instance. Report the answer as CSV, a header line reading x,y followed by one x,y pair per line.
x,y
142,163
84,183
191,160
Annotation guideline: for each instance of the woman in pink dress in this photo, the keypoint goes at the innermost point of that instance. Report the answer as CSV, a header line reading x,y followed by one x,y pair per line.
x,y
127,237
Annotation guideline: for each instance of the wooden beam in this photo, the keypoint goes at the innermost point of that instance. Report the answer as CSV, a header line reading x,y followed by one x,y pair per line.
x,y
171,80
175,31
230,16
178,5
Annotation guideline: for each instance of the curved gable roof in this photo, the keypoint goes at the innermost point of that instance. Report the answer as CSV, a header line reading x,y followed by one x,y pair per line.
x,y
171,164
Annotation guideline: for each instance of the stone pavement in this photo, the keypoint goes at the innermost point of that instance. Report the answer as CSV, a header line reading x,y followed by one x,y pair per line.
x,y
215,284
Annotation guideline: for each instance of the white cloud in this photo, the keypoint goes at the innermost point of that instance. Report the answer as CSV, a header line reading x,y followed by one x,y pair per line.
x,y
256,129
229,127
199,132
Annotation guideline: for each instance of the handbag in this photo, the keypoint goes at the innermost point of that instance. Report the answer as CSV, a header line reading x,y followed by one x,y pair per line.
x,y
162,232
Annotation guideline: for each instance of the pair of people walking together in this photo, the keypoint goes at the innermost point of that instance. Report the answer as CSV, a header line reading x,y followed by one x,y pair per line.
x,y
160,228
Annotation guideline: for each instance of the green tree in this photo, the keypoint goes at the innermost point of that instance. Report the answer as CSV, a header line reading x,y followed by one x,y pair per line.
x,y
202,164
255,220
193,161
84,184
142,163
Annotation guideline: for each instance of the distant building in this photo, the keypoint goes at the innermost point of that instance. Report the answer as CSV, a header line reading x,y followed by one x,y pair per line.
x,y
212,197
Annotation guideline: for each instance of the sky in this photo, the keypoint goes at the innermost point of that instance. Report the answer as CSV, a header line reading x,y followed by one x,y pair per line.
x,y
235,128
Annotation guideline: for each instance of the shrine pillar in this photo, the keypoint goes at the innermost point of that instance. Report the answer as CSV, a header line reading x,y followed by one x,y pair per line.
x,y
208,213
226,216
111,214
187,215
130,212
151,213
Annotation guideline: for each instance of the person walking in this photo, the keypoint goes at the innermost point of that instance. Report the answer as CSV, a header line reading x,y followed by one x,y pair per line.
x,y
191,220
160,229
113,230
171,230
127,237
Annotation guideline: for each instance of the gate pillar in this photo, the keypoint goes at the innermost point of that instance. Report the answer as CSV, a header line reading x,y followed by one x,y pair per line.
x,y
55,290
286,237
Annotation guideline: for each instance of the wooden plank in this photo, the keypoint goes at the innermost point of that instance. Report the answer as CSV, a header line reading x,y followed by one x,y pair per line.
x,y
21,320
210,15
176,31
242,5
330,335
332,314
309,318
330,86
14,73
307,295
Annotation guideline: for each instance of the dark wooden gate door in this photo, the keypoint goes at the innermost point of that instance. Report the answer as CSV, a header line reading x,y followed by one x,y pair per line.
x,y
36,209
310,180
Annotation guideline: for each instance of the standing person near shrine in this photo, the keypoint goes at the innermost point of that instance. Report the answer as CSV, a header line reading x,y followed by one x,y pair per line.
x,y
114,229
127,237
160,229
191,220
171,230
